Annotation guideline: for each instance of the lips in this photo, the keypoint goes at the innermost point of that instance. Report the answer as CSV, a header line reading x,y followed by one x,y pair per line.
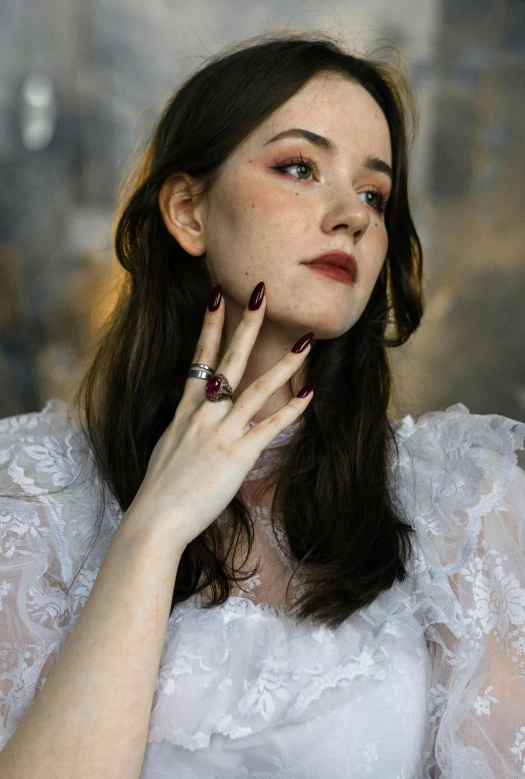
x,y
340,259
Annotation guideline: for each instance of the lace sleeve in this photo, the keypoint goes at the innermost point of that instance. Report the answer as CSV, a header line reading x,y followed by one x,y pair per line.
x,y
39,526
34,608
473,528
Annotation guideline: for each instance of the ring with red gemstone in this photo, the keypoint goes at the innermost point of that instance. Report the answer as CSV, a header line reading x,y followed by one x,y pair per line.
x,y
218,388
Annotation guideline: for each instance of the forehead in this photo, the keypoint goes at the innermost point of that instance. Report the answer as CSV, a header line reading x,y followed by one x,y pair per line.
x,y
337,107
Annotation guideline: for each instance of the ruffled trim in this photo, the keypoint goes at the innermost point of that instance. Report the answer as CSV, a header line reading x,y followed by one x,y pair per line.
x,y
283,673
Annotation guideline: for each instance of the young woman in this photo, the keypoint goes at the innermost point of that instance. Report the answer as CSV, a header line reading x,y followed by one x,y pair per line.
x,y
223,559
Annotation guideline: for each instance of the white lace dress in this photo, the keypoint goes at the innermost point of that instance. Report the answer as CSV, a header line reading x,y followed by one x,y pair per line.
x,y
428,681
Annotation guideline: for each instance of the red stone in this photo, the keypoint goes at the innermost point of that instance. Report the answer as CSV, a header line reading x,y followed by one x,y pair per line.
x,y
213,386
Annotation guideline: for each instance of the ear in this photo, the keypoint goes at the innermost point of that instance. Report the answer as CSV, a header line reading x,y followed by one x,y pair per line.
x,y
182,216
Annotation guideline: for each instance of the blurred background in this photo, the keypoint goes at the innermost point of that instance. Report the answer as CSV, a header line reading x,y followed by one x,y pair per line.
x,y
82,83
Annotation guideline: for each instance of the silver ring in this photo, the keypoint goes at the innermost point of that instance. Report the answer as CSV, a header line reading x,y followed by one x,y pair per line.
x,y
200,371
196,373
201,365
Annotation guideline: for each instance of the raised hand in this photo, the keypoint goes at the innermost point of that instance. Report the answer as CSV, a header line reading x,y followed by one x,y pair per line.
x,y
206,452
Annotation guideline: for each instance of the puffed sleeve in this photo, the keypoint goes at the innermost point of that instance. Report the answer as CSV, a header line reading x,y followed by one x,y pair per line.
x,y
41,523
470,516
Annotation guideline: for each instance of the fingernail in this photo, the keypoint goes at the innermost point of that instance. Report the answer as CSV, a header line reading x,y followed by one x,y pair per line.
x,y
257,297
302,343
306,390
215,298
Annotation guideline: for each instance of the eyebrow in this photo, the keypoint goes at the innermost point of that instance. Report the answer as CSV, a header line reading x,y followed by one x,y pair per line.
x,y
370,162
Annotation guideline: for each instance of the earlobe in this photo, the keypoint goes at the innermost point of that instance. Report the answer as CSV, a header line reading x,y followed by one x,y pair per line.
x,y
182,220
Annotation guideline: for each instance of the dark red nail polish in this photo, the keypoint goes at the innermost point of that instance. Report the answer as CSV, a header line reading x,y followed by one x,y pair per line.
x,y
215,298
302,343
257,297
306,390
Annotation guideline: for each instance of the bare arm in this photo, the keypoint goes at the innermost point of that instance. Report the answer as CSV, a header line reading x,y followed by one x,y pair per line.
x,y
92,715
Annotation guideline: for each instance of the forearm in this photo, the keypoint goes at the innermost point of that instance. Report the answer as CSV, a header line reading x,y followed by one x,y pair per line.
x,y
92,715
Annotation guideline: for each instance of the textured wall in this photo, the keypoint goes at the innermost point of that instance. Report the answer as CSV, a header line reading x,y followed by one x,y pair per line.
x,y
111,66
471,346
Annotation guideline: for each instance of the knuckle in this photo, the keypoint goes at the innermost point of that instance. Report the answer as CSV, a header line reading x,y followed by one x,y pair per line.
x,y
199,354
295,361
261,385
209,327
229,358
289,363
267,425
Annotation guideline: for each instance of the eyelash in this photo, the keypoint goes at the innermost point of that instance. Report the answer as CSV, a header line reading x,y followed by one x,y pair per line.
x,y
382,199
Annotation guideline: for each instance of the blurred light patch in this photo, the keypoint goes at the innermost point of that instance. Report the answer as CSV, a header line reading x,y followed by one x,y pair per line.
x,y
38,111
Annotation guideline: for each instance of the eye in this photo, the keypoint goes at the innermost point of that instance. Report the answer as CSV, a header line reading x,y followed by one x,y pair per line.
x,y
380,200
297,162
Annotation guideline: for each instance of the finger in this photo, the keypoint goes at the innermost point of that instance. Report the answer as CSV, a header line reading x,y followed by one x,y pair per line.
x,y
206,352
235,359
262,435
257,395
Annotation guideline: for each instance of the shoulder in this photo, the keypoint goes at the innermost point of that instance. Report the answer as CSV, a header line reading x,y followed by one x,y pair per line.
x,y
50,417
40,450
460,479
50,491
454,432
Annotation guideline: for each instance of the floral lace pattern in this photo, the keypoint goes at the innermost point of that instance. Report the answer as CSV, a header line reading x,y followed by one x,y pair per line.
x,y
426,682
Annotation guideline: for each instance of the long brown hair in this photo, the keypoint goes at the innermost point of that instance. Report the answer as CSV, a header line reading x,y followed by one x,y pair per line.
x,y
333,486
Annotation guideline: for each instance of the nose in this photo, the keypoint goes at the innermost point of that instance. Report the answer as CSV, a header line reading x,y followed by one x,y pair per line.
x,y
349,212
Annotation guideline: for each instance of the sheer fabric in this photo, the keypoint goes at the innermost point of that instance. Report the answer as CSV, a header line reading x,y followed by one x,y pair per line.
x,y
426,682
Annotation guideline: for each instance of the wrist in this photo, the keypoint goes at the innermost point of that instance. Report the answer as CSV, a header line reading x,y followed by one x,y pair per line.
x,y
147,525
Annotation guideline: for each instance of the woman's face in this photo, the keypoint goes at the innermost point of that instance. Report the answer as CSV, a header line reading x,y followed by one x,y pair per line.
x,y
261,224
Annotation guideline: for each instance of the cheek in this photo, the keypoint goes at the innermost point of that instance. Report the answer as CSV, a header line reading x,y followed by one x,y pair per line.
x,y
274,204
379,235
376,244
278,207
